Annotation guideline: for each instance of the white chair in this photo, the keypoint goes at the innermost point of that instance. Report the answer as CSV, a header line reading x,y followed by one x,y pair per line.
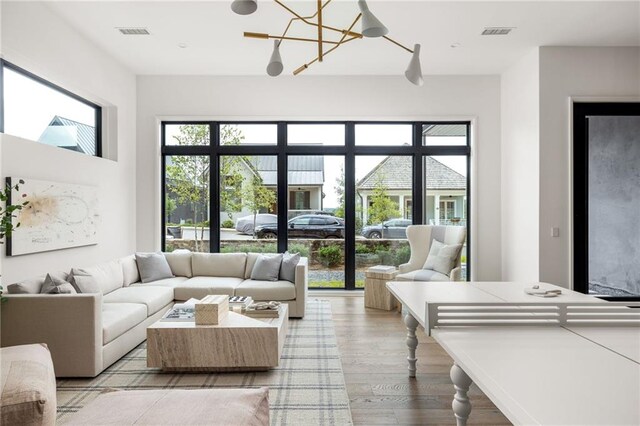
x,y
420,238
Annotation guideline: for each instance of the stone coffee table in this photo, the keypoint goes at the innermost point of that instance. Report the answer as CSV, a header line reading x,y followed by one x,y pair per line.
x,y
239,343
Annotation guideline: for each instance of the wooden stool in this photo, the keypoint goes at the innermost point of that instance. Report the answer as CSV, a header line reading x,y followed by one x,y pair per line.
x,y
376,294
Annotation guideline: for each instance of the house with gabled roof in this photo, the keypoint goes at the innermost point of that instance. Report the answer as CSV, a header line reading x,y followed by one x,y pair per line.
x,y
446,198
69,134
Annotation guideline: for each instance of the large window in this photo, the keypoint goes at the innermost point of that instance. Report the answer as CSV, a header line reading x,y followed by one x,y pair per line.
x,y
35,109
340,193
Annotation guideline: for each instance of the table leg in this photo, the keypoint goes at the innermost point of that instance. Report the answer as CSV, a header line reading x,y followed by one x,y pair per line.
x,y
461,405
412,342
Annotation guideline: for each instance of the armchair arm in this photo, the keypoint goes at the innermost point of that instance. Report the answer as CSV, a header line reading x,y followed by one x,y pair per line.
x,y
456,274
302,287
70,324
404,268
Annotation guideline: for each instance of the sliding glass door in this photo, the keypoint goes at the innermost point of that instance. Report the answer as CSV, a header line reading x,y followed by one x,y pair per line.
x,y
339,193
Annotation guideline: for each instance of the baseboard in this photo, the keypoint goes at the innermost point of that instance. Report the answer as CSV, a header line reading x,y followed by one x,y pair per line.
x,y
341,293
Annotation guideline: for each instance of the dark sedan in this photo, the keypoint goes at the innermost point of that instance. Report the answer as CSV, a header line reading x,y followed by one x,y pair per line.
x,y
306,226
394,228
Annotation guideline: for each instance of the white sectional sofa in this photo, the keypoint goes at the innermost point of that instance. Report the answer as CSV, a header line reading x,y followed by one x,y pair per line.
x,y
87,332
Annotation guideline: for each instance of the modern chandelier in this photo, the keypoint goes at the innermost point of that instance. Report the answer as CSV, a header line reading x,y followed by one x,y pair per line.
x,y
371,28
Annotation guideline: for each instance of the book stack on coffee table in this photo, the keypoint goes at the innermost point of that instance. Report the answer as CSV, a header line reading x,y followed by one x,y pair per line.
x,y
263,310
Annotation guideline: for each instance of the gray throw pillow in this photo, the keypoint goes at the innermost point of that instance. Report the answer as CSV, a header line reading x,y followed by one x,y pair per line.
x,y
267,268
83,281
442,258
288,266
153,267
56,285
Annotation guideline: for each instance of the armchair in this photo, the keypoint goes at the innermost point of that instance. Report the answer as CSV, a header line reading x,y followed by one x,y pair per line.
x,y
420,239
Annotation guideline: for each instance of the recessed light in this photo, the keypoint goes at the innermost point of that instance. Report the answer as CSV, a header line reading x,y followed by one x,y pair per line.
x,y
455,45
182,45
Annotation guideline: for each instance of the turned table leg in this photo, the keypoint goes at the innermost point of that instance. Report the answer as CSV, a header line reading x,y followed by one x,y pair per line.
x,y
461,405
412,342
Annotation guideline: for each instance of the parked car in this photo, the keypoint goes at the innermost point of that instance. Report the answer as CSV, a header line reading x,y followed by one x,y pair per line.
x,y
306,226
393,228
244,225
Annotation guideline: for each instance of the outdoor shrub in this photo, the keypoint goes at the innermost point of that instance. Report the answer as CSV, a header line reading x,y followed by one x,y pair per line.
x,y
330,255
227,224
402,254
386,257
362,248
303,249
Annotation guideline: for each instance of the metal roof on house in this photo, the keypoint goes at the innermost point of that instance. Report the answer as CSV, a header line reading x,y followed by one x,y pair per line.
x,y
445,130
396,171
303,169
85,136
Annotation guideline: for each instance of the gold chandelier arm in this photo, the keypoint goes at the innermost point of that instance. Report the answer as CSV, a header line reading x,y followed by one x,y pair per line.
x,y
269,36
319,30
341,42
398,44
306,21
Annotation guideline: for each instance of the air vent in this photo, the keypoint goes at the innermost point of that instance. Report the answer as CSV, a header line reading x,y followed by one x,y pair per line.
x,y
134,31
497,31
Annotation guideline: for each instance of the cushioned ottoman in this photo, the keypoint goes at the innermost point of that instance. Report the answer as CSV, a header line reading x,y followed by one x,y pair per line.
x,y
228,407
28,385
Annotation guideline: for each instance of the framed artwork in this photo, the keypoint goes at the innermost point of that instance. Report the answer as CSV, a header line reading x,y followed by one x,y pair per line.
x,y
58,216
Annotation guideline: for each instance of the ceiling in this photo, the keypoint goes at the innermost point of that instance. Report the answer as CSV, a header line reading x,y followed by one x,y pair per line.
x,y
216,46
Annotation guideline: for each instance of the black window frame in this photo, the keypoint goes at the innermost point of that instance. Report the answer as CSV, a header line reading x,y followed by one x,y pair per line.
x,y
348,151
97,108
580,122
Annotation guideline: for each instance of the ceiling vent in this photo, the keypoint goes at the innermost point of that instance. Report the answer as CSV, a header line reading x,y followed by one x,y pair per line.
x,y
133,31
497,31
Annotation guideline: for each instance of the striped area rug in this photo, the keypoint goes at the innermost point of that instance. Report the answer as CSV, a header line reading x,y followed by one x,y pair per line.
x,y
306,389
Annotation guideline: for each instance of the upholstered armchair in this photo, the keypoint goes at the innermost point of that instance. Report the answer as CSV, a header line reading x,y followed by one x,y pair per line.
x,y
420,240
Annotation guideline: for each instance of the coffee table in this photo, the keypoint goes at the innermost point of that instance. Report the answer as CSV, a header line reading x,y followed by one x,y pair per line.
x,y
239,343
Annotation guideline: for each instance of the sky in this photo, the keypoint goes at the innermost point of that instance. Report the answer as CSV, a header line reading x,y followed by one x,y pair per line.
x,y
30,106
334,135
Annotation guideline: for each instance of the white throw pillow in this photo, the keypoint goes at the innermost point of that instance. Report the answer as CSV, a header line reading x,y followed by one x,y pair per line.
x,y
442,258
267,268
288,266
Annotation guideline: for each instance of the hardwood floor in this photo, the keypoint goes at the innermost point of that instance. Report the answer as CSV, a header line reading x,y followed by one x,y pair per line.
x,y
373,350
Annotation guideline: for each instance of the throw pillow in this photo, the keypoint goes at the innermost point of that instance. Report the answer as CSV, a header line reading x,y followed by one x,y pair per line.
x,y
267,268
442,258
153,267
83,281
288,266
56,285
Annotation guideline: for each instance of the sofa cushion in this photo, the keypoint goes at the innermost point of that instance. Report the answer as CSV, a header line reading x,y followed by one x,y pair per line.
x,y
154,297
219,264
180,263
103,278
118,318
167,282
220,407
267,290
28,385
442,258
199,287
129,270
422,275
288,266
267,268
34,285
153,267
56,285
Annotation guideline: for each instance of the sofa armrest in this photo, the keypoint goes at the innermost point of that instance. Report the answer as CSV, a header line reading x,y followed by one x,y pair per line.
x,y
404,268
302,281
70,325
456,274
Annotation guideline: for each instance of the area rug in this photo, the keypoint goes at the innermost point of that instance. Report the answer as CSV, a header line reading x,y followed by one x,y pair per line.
x,y
306,389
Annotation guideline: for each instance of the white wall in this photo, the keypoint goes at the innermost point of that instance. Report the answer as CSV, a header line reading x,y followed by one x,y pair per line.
x,y
520,161
566,72
309,97
36,39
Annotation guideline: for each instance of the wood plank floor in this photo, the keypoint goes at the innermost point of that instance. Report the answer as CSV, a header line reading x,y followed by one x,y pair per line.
x,y
373,350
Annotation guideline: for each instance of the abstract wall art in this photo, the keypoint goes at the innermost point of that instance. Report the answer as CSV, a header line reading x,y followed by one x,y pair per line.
x,y
58,216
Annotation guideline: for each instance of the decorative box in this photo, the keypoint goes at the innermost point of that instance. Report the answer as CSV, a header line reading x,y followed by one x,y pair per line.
x,y
212,309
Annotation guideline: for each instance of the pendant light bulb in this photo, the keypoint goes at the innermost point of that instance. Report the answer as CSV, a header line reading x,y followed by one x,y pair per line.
x,y
414,70
371,26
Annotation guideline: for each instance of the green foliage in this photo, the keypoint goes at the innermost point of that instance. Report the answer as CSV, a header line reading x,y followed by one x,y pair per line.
x,y
170,206
330,255
382,207
8,212
260,247
402,255
227,224
303,249
363,248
